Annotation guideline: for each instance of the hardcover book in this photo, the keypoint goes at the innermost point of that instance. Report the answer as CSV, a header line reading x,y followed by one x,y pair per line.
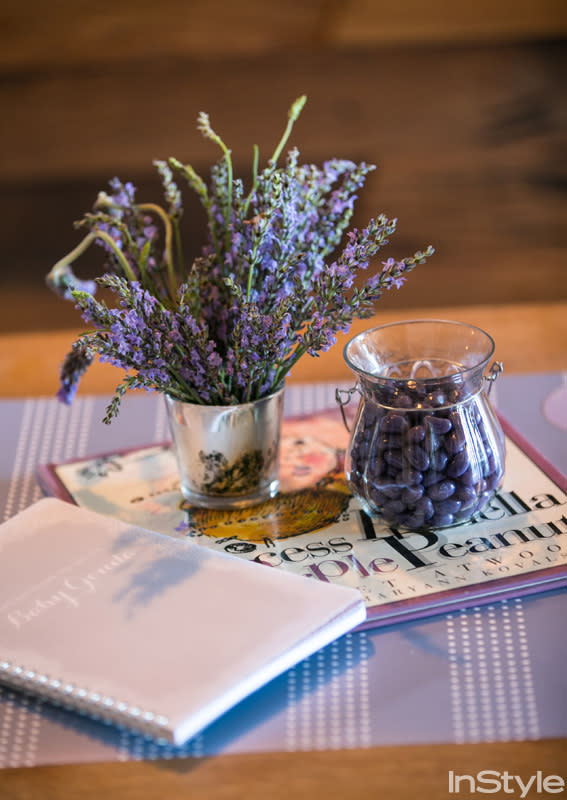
x,y
315,528
147,631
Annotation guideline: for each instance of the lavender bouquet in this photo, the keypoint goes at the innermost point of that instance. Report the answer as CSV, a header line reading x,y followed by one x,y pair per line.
x,y
265,290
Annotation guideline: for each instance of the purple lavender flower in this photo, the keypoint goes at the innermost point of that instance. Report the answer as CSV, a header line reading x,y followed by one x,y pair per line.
x,y
75,364
268,287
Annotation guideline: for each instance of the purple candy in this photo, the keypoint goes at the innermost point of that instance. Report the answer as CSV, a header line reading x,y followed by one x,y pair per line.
x,y
438,425
441,490
392,423
394,507
388,440
466,494
403,401
394,458
491,466
415,520
392,492
409,477
493,480
411,494
458,464
468,478
432,476
439,460
376,496
416,434
449,506
417,457
454,442
425,506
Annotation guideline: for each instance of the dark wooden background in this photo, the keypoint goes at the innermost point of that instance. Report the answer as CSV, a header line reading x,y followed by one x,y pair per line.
x,y
461,105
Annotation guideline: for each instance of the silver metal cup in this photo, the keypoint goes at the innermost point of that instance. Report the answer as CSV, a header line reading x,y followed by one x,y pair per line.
x,y
227,456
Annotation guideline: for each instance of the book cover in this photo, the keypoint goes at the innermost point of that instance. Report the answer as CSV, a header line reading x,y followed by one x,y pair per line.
x,y
147,631
314,528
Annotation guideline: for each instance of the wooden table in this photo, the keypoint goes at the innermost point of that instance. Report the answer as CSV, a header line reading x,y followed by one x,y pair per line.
x,y
529,338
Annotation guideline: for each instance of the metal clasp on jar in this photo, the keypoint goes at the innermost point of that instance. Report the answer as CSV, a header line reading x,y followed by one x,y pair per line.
x,y
495,370
339,393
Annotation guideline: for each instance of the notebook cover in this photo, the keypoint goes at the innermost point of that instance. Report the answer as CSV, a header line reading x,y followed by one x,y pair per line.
x,y
153,633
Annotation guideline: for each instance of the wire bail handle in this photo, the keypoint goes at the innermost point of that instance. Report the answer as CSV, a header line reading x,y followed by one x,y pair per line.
x,y
495,370
342,402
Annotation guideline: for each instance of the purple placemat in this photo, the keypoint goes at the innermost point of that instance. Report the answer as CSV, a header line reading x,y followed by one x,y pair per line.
x,y
486,674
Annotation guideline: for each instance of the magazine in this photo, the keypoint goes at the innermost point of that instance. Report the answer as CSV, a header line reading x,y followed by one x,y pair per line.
x,y
314,527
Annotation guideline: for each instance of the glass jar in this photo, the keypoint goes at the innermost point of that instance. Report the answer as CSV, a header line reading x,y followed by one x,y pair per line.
x,y
426,449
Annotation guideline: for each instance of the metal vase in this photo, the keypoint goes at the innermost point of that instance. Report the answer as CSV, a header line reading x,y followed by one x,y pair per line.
x,y
227,456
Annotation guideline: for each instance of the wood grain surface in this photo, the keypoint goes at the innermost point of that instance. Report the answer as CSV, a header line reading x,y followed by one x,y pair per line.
x,y
470,144
77,32
392,773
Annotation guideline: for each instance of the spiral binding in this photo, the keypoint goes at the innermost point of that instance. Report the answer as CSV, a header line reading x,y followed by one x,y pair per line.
x,y
84,701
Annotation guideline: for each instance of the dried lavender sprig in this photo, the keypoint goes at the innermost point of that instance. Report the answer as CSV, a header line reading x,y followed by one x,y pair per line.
x,y
172,192
292,117
200,188
168,242
204,125
175,204
61,277
75,364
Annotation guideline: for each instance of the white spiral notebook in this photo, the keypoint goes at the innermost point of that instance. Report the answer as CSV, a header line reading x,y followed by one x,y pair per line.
x,y
152,633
